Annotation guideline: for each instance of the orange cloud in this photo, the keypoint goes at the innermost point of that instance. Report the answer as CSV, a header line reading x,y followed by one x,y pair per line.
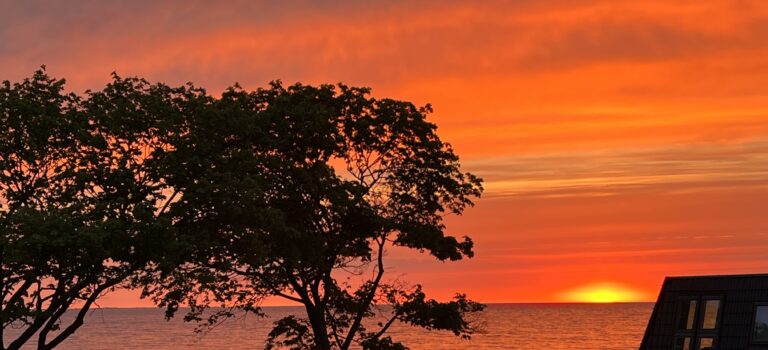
x,y
620,141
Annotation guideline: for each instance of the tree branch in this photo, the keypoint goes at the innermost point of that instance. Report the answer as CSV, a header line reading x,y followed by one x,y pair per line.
x,y
79,319
263,279
168,202
367,301
387,325
334,328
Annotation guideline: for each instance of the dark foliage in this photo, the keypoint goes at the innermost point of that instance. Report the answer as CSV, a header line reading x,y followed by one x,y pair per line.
x,y
318,182
83,198
217,203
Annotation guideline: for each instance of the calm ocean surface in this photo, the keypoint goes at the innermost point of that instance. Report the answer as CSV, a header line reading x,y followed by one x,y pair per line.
x,y
508,326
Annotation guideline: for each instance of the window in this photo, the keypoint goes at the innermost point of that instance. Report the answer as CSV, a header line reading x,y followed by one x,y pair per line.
x,y
706,343
683,343
687,315
760,328
711,308
698,323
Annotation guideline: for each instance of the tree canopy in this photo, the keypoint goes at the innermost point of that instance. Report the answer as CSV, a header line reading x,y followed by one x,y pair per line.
x,y
83,199
293,192
338,177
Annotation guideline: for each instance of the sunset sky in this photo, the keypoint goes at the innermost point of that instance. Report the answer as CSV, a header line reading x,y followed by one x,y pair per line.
x,y
619,143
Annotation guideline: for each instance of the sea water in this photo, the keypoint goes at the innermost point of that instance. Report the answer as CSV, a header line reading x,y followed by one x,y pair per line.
x,y
506,326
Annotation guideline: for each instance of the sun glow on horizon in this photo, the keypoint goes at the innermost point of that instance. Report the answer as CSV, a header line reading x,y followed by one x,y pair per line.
x,y
604,292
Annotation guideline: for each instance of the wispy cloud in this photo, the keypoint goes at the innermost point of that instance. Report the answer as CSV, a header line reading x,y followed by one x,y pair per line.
x,y
609,172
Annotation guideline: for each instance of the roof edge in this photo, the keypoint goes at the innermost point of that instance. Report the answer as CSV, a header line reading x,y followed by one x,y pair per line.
x,y
747,275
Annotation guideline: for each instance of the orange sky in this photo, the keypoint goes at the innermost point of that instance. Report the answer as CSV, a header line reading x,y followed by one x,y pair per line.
x,y
620,143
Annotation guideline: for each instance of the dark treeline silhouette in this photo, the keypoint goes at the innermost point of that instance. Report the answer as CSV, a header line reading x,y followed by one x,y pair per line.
x,y
217,203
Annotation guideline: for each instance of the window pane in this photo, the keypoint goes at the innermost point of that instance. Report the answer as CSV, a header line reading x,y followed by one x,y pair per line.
x,y
711,308
683,343
687,314
760,333
706,344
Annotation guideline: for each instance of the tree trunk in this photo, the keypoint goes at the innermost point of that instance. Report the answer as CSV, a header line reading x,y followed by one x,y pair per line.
x,y
319,329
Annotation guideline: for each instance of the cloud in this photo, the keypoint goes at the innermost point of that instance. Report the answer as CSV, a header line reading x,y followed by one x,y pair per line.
x,y
382,42
619,141
662,170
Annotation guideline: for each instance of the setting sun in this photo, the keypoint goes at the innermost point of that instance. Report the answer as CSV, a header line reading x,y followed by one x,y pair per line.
x,y
527,174
603,293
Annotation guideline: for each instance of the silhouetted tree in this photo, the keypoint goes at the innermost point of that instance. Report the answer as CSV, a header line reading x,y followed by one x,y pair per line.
x,y
83,199
307,188
282,192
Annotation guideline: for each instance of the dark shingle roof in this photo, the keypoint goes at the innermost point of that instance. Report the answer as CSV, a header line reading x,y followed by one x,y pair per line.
x,y
739,295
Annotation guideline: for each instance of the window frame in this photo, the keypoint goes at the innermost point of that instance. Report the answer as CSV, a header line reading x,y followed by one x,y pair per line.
x,y
713,333
698,332
686,300
702,308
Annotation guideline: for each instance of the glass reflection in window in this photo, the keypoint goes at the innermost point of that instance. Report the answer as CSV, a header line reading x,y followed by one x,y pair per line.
x,y
706,344
683,343
687,315
711,308
760,332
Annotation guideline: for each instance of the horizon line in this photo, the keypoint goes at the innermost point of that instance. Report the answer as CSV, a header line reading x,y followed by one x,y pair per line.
x,y
489,303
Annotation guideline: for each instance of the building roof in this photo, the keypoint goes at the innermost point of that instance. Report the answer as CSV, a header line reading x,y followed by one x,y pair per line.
x,y
739,296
